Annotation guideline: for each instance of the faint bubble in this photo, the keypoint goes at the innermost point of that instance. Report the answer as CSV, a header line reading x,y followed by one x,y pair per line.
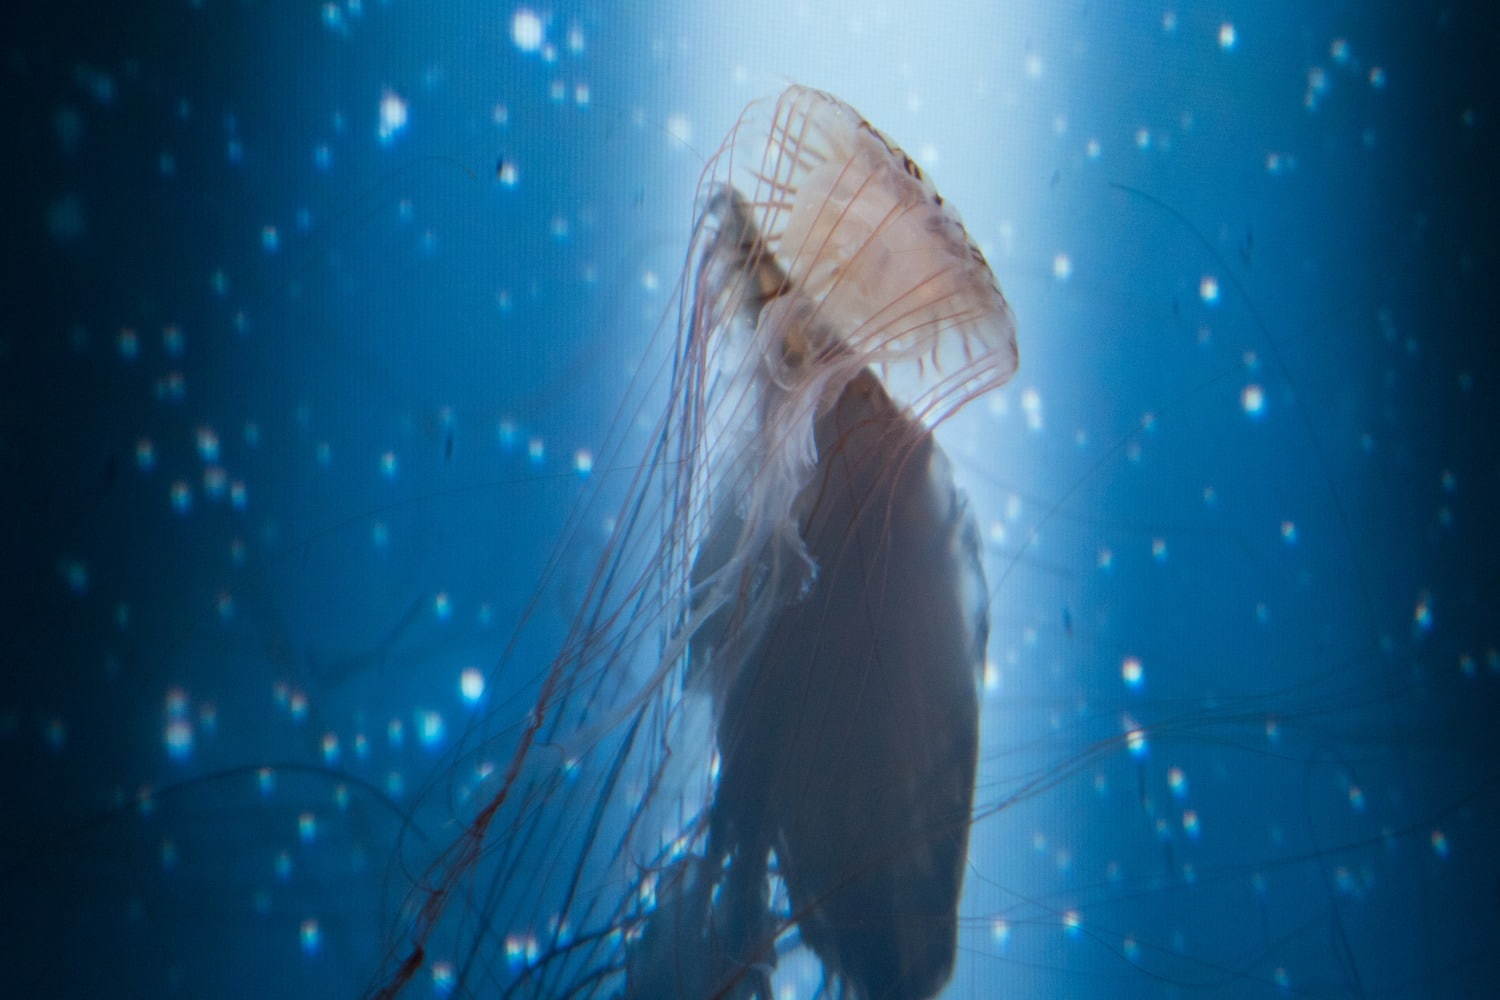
x,y
1208,289
1377,77
679,129
442,606
1169,21
307,828
1289,532
65,221
536,450
471,684
1142,138
1062,267
1338,51
393,116
442,978
575,38
129,344
309,936
388,465
1253,400
181,497
270,239
1422,613
527,30
1440,843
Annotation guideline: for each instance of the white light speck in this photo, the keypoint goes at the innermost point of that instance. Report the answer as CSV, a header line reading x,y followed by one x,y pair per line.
x,y
1227,37
393,115
526,29
471,684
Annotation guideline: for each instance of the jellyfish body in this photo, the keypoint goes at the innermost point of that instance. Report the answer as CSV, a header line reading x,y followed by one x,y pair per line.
x,y
838,605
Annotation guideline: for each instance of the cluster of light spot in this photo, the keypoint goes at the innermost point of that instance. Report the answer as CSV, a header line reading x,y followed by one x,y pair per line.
x,y
1135,737
521,950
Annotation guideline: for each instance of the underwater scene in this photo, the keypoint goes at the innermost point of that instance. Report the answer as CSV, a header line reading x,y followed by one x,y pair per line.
x,y
764,501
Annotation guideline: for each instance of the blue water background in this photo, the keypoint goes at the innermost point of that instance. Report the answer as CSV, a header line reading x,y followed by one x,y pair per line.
x,y
321,345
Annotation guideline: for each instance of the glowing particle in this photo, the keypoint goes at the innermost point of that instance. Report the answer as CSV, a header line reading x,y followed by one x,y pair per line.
x,y
1356,798
208,444
581,95
1208,289
679,130
1169,21
429,728
177,737
76,574
270,239
1135,737
129,344
1227,36
1440,843
330,747
388,465
1338,51
1159,549
1190,824
283,865
1177,781
536,450
394,784
442,606
1142,138
393,116
471,684
214,481
380,534
1000,931
322,156
1253,400
145,455
307,828
1072,922
1131,672
1092,149
1062,267
1421,615
1131,949
265,780
1106,559
181,496
1273,730
395,733
297,705
309,935
527,29
1289,532
1033,65
583,461
1031,405
442,978
237,496
575,38
1377,77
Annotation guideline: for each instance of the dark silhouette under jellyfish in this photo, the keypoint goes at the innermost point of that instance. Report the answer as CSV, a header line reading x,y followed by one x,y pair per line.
x,y
761,733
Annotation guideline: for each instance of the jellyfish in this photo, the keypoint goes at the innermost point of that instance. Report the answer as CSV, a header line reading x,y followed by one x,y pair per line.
x,y
772,688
